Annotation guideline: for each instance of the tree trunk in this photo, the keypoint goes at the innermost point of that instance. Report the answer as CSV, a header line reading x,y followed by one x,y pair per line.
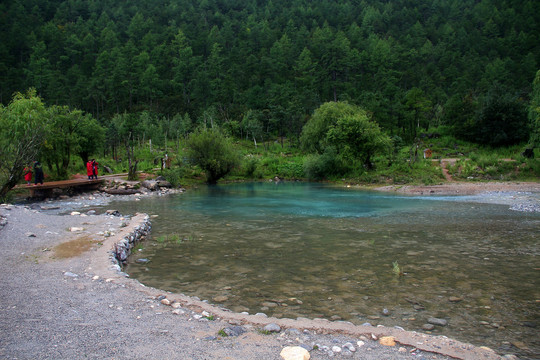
x,y
132,163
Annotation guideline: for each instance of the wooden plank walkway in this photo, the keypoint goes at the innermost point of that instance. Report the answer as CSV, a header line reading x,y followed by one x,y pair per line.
x,y
62,184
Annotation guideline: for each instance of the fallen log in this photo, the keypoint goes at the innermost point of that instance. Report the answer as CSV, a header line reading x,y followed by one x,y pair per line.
x,y
122,191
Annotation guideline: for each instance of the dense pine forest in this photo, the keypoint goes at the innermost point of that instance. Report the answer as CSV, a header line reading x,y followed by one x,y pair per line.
x,y
260,68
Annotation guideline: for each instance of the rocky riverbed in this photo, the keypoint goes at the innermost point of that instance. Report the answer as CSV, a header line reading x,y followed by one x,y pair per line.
x,y
63,297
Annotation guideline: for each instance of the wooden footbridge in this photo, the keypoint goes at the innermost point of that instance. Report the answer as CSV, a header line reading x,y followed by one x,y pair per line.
x,y
47,187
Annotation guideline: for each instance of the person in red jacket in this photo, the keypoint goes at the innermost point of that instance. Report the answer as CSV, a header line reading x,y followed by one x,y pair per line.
x,y
28,174
89,170
94,168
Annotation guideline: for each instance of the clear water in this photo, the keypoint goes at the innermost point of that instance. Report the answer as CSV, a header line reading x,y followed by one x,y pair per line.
x,y
310,250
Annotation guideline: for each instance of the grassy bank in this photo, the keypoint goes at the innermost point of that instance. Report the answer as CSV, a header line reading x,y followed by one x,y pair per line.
x,y
284,159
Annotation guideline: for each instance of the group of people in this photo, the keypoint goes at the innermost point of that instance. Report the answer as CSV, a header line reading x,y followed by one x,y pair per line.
x,y
92,169
38,173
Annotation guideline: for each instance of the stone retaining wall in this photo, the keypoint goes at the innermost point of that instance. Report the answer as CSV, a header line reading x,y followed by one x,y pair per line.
x,y
122,249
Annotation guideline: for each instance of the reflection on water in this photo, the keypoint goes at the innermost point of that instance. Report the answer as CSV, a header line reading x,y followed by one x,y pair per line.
x,y
308,250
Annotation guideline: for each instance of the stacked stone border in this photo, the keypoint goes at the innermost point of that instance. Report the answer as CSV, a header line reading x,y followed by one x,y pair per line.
x,y
122,249
116,249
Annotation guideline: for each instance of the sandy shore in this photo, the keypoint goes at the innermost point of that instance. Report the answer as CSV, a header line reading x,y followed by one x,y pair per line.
x,y
60,299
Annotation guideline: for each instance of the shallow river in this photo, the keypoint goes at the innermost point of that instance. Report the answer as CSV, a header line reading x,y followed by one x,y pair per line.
x,y
309,250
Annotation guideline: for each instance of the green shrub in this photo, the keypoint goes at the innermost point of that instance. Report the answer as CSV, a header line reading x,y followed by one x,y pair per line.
x,y
212,152
249,166
175,175
291,170
328,164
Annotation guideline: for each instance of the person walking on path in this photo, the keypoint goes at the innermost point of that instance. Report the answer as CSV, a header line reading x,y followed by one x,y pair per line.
x,y
94,168
38,173
28,174
89,169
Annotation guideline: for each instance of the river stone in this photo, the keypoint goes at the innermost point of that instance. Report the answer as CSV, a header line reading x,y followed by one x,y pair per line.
x,y
294,353
349,346
166,302
164,183
437,321
234,330
272,327
220,298
428,327
455,299
269,304
520,345
151,185
387,341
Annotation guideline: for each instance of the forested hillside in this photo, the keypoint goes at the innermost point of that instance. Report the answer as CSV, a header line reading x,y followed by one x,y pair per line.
x,y
410,64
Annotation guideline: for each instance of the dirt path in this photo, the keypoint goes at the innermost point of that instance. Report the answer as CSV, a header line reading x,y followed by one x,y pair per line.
x,y
444,166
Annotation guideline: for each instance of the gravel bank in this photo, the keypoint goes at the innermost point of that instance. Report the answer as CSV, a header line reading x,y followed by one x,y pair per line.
x,y
520,196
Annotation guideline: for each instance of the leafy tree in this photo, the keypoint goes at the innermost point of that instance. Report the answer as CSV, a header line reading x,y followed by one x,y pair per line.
x,y
91,136
252,125
418,107
128,128
24,125
213,152
70,132
358,137
313,137
62,140
346,128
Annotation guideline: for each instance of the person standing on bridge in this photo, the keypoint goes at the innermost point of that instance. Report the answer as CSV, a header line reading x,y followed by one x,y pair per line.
x,y
38,173
94,168
28,174
89,169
